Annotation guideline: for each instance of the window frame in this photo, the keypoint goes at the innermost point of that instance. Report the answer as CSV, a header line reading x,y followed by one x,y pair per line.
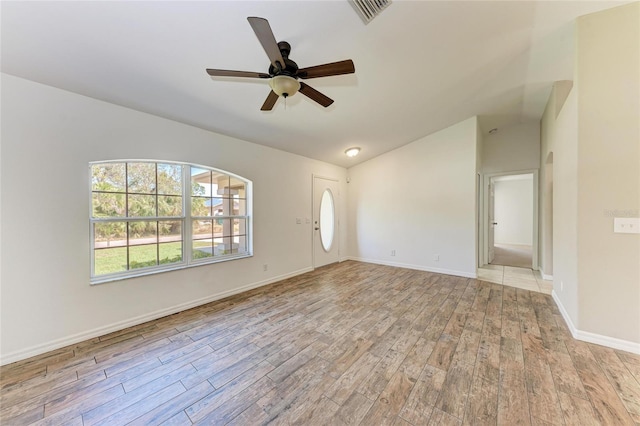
x,y
186,219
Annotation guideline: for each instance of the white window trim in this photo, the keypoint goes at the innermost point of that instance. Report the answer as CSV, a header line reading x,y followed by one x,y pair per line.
x,y
186,218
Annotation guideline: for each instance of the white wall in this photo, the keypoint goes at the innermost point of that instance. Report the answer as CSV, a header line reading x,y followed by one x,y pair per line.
x,y
608,81
560,137
548,133
419,200
479,198
513,210
512,148
595,142
48,138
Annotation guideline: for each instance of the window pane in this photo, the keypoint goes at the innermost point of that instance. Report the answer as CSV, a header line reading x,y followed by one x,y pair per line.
x,y
110,260
108,205
222,228
143,256
201,249
108,177
141,178
239,227
239,207
326,219
221,246
202,229
170,231
220,183
200,182
109,234
141,205
169,205
200,206
170,252
240,245
169,179
143,233
219,206
238,187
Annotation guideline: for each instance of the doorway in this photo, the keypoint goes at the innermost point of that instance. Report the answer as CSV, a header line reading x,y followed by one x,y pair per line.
x,y
326,239
511,206
510,219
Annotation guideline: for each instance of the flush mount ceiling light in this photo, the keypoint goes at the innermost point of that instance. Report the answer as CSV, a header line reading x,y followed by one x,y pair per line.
x,y
352,152
284,85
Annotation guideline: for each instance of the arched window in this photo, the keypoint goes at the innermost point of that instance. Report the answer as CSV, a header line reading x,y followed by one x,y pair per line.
x,y
149,216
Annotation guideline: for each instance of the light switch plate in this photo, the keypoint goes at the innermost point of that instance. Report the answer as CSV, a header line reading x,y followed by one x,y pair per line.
x,y
626,225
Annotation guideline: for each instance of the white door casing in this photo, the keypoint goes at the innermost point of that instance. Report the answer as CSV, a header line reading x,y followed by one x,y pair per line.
x,y
492,222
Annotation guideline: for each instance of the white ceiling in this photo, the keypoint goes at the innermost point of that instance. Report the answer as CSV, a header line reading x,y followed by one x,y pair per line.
x,y
420,66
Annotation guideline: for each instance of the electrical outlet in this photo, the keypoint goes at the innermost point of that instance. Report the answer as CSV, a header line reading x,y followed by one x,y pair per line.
x,y
436,257
298,220
265,267
393,252
626,225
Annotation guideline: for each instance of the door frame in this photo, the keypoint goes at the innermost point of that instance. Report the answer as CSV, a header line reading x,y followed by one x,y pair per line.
x,y
486,179
336,205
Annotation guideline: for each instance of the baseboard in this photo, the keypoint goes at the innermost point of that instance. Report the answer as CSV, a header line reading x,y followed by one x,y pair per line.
x,y
565,314
598,339
416,267
101,331
611,342
545,276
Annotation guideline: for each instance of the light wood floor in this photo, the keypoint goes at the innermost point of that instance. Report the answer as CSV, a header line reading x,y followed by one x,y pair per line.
x,y
351,343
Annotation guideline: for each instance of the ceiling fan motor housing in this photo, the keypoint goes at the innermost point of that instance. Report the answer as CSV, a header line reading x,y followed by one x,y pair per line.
x,y
290,67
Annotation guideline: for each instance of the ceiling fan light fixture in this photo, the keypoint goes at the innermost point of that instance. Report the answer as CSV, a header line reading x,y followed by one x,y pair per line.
x,y
352,152
284,85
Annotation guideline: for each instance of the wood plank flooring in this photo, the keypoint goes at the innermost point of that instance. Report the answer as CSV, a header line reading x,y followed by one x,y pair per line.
x,y
351,343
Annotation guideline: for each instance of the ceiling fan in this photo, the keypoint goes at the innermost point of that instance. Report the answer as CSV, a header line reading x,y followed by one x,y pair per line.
x,y
283,73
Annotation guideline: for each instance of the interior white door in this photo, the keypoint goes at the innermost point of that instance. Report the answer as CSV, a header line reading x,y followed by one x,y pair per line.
x,y
492,222
325,221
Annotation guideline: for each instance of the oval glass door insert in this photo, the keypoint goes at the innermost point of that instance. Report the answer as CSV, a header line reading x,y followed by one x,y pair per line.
x,y
327,220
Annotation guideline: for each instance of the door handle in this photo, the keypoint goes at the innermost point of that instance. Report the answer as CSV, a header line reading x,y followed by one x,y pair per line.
x,y
494,223
316,228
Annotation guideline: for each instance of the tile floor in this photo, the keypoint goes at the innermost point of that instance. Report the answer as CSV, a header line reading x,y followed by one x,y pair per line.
x,y
523,278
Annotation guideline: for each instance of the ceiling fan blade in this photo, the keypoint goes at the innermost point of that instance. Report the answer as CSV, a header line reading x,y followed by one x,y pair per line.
x,y
263,31
326,70
231,73
314,95
269,102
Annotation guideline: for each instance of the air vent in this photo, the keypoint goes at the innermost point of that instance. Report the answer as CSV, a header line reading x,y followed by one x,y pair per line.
x,y
369,9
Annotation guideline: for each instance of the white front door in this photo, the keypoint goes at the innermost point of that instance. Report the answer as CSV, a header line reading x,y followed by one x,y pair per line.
x,y
325,221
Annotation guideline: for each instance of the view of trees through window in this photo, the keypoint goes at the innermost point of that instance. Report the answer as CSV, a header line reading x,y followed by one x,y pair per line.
x,y
139,216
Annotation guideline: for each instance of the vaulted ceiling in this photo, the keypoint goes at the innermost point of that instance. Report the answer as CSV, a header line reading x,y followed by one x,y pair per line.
x,y
420,65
